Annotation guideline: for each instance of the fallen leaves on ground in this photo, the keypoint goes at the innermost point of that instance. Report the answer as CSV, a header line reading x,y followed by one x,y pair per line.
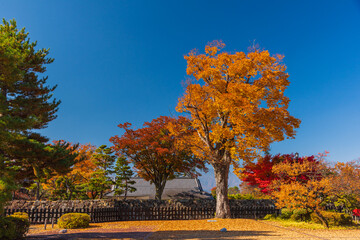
x,y
199,229
169,225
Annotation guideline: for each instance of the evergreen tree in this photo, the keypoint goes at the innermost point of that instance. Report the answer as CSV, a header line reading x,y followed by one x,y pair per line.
x,y
58,158
100,180
71,185
7,184
123,173
26,105
97,184
104,159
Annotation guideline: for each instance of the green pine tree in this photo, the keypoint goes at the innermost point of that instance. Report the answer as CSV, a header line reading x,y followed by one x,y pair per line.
x,y
123,173
7,183
26,105
98,184
104,159
100,180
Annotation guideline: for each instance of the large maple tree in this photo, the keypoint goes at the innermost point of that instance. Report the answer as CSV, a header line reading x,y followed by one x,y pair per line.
x,y
154,151
237,106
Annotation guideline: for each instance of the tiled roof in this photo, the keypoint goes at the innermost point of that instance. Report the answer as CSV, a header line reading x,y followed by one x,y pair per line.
x,y
182,187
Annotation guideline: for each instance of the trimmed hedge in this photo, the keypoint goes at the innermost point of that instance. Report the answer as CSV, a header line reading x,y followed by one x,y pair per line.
x,y
74,220
14,227
333,218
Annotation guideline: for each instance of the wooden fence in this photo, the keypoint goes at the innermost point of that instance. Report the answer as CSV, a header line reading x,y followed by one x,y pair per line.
x,y
136,214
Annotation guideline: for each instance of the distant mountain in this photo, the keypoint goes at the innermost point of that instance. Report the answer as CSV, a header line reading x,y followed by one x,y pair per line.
x,y
208,179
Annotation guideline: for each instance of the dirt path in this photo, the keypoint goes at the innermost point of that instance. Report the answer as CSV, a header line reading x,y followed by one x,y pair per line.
x,y
194,229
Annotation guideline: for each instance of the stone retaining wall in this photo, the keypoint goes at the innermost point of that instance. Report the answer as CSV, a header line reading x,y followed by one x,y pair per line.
x,y
108,203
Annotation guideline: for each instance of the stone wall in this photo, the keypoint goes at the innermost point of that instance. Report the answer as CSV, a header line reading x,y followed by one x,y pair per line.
x,y
24,204
108,203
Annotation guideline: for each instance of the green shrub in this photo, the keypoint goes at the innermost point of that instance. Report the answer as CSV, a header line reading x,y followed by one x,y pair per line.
x,y
14,226
333,218
300,215
285,213
270,216
241,196
7,229
74,220
22,226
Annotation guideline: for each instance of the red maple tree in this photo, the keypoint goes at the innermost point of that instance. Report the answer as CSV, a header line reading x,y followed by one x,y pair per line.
x,y
260,174
154,151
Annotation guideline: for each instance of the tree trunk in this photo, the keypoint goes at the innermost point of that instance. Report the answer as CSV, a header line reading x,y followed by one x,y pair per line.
x,y
323,220
68,189
159,190
37,190
125,193
222,202
70,195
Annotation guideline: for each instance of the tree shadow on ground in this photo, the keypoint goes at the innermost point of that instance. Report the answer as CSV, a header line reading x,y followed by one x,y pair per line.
x,y
196,234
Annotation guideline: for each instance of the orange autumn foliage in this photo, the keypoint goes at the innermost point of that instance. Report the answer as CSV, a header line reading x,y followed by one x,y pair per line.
x,y
237,102
237,106
80,172
85,166
301,185
346,180
345,184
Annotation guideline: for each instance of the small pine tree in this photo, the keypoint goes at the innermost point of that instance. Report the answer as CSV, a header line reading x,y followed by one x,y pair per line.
x,y
100,180
123,184
104,159
98,184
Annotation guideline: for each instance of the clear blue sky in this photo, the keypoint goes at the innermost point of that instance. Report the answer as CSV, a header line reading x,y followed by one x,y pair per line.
x,y
122,61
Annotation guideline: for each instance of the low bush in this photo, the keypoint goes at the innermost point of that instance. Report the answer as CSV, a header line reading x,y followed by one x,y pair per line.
x,y
22,215
241,196
14,227
7,229
270,216
333,218
74,220
300,215
285,213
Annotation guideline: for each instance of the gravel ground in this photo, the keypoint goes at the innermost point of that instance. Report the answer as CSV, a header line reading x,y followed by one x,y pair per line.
x,y
193,229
